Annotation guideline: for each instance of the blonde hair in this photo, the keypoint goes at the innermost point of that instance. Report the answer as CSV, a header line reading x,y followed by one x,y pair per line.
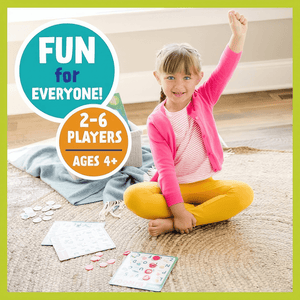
x,y
174,58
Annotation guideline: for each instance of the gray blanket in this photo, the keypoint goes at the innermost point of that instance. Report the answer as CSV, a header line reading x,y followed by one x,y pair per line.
x,y
43,162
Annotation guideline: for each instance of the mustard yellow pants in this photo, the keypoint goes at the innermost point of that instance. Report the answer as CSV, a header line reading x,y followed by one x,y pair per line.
x,y
209,200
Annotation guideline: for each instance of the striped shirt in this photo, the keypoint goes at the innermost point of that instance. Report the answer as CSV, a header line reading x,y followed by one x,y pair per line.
x,y
191,161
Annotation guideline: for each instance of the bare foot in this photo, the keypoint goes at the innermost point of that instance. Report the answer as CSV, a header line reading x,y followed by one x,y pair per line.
x,y
159,226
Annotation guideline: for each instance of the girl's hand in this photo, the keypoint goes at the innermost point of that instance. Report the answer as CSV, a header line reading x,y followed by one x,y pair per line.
x,y
238,23
184,222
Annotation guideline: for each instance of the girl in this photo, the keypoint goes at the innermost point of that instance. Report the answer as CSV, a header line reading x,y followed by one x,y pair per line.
x,y
185,143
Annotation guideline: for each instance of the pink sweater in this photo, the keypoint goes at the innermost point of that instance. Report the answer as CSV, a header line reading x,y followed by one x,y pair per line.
x,y
191,160
162,137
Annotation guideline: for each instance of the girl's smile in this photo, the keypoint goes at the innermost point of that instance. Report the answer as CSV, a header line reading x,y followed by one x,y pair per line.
x,y
178,88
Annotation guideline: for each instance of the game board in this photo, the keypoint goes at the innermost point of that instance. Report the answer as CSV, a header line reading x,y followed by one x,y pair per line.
x,y
73,240
60,227
144,271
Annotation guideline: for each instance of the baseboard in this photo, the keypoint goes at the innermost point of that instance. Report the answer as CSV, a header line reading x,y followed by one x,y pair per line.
x,y
142,86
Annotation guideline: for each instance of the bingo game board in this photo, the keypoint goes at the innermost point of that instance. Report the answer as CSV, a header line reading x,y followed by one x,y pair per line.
x,y
79,238
144,271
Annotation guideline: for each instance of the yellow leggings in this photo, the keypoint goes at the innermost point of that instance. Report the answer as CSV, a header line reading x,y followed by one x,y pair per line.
x,y
208,200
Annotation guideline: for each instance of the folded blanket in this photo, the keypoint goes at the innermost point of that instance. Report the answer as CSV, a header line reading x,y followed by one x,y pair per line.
x,y
43,161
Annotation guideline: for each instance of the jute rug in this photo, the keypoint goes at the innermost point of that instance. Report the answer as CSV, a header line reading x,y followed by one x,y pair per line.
x,y
252,252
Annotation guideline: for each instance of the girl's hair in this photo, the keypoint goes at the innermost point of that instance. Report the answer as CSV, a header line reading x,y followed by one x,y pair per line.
x,y
174,58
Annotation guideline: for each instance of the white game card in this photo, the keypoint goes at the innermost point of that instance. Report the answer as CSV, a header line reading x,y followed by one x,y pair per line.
x,y
60,227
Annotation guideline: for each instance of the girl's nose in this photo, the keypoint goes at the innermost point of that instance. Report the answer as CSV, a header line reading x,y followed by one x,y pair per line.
x,y
179,83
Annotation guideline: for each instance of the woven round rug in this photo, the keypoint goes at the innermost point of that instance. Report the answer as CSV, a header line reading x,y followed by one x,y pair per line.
x,y
252,252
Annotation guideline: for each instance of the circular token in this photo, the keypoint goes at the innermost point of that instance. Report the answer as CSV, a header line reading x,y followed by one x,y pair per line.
x,y
111,261
156,257
32,214
46,208
100,254
47,218
49,213
89,267
103,265
95,258
162,266
27,209
148,271
126,253
24,216
152,265
146,277
37,208
56,206
36,220
50,203
144,257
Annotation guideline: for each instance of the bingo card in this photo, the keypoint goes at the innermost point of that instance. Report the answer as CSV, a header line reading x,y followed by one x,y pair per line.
x,y
144,271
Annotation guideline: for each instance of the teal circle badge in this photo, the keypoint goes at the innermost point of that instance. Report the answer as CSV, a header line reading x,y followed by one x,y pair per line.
x,y
63,65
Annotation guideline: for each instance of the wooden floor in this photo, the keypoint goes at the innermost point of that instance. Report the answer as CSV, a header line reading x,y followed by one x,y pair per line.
x,y
260,119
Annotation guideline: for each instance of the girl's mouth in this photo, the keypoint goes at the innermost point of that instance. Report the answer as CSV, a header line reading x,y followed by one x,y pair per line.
x,y
178,94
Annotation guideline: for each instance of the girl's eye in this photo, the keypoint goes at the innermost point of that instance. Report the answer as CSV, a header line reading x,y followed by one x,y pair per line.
x,y
187,77
170,77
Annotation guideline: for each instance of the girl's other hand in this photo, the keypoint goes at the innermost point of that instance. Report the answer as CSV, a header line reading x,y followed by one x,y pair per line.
x,y
238,23
185,222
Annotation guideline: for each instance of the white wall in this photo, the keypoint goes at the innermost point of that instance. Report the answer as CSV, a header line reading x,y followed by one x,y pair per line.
x,y
266,62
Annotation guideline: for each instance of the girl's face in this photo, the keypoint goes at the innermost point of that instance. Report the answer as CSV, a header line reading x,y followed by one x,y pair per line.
x,y
178,88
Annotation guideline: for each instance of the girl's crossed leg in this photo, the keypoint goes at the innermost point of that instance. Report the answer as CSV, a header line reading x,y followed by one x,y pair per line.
x,y
208,200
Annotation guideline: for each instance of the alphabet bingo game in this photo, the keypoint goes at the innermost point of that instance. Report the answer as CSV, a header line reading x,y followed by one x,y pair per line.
x,y
144,271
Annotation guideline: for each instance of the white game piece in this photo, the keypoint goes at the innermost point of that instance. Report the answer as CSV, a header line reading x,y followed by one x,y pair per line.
x,y
111,261
50,203
103,265
37,207
37,220
49,213
28,210
24,216
33,214
56,206
46,208
47,218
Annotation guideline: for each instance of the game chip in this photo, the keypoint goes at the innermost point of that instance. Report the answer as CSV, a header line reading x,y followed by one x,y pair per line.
x,y
46,208
50,203
148,271
47,218
89,267
103,265
156,257
100,254
37,220
37,208
24,216
56,206
95,258
146,277
111,261
49,213
152,265
126,253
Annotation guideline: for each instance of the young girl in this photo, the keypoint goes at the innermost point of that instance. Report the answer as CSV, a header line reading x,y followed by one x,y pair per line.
x,y
185,144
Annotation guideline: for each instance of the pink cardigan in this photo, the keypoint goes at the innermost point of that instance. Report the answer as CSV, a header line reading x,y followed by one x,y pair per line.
x,y
162,137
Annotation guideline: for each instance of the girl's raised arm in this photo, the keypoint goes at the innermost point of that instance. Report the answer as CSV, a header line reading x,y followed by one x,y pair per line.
x,y
239,26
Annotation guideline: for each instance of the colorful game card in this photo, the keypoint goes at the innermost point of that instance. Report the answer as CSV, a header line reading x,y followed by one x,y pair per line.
x,y
61,227
116,103
144,271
